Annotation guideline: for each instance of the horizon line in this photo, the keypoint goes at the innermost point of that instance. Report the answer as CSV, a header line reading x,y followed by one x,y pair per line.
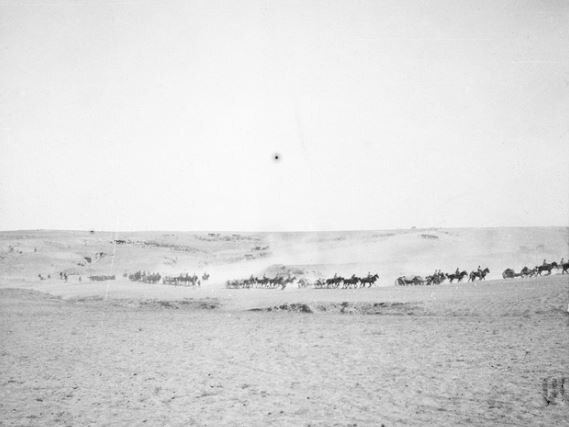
x,y
278,231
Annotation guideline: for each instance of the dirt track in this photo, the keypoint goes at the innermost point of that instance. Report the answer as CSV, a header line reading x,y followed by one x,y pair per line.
x,y
466,355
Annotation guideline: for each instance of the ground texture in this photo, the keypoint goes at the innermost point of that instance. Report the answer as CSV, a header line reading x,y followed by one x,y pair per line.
x,y
447,355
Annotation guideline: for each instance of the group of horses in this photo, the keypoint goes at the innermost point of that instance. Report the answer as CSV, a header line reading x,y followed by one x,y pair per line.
x,y
339,282
100,277
183,279
336,282
281,282
94,278
538,270
439,277
277,282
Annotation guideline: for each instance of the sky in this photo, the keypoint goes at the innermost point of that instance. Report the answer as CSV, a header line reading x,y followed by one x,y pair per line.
x,y
167,115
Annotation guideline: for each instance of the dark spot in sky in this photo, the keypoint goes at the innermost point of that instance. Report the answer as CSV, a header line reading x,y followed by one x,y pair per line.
x,y
276,157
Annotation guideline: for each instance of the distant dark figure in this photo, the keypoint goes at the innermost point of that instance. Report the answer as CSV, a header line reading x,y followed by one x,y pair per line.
x,y
527,272
410,280
369,280
458,276
80,279
546,267
437,278
509,274
480,274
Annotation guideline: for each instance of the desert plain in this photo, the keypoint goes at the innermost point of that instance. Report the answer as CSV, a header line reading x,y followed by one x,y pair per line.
x,y
119,352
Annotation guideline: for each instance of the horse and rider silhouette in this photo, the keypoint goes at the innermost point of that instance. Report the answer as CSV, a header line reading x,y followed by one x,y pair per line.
x,y
545,266
479,274
457,275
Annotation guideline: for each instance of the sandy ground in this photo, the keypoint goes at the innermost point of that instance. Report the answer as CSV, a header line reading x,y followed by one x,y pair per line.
x,y
446,355
126,353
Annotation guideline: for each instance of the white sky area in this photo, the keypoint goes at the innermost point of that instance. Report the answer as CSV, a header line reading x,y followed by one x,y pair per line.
x,y
165,115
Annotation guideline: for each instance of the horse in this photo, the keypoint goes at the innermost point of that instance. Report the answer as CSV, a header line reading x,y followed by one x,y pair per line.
x,y
418,280
458,277
352,281
565,267
546,267
412,280
527,272
403,281
334,281
370,280
481,275
435,279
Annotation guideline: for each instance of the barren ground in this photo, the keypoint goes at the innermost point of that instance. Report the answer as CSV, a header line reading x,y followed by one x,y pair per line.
x,y
123,353
474,354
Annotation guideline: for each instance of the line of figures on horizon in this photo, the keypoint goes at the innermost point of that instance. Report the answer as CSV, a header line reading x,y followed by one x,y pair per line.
x,y
548,267
480,274
438,277
182,279
63,275
339,282
277,282
281,282
335,282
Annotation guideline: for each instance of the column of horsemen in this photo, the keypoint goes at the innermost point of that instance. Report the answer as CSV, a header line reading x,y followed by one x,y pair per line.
x,y
480,274
281,282
355,282
336,282
182,279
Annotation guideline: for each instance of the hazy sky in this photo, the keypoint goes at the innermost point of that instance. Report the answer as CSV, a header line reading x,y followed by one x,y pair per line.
x,y
166,114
